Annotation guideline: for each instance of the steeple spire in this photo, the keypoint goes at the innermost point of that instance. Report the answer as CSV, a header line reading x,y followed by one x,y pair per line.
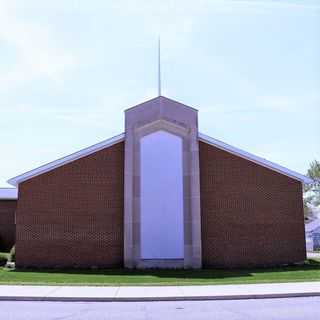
x,y
159,68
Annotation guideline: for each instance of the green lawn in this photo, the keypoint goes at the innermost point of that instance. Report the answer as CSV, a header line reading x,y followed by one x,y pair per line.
x,y
308,272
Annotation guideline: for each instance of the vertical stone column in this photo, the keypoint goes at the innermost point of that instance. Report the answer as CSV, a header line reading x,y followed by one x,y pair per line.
x,y
128,198
195,199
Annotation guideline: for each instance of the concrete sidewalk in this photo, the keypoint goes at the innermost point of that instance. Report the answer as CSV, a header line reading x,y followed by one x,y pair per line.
x,y
160,293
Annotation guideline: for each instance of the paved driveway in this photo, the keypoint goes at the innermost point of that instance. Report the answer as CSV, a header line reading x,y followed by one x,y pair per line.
x,y
263,309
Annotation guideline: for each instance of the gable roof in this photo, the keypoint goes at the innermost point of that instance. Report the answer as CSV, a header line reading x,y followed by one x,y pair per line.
x,y
8,194
202,137
62,161
251,157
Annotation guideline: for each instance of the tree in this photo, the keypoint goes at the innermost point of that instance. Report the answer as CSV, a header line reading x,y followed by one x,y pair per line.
x,y
312,191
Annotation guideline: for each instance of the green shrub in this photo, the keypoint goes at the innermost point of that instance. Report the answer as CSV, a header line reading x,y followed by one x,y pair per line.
x,y
12,254
4,256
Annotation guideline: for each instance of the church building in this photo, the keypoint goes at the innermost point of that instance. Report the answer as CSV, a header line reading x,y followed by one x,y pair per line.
x,y
159,195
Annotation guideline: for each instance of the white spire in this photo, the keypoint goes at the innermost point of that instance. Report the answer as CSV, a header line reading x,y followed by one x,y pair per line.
x,y
159,68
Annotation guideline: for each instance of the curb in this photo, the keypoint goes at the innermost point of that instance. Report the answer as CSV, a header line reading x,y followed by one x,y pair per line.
x,y
149,299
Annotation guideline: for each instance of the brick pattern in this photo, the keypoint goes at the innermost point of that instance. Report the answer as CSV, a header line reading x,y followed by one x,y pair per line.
x,y
72,216
7,224
250,215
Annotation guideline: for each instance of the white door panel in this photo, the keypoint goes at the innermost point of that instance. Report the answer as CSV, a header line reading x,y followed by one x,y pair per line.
x,y
161,169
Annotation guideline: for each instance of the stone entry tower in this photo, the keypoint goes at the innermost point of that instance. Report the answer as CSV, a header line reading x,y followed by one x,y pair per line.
x,y
162,223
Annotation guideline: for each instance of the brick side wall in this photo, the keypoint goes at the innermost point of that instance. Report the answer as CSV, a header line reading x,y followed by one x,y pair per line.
x,y
250,215
7,224
73,215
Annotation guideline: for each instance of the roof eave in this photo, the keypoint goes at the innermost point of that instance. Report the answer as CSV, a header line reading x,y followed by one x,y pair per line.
x,y
8,198
116,139
253,158
67,159
8,194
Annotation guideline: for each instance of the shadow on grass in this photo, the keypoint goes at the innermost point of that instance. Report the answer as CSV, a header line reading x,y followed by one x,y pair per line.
x,y
310,265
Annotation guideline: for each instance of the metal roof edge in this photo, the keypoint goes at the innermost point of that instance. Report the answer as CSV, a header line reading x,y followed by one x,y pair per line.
x,y
8,193
251,157
64,160
111,141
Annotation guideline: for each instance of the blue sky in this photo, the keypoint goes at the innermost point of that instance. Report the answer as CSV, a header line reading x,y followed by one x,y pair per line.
x,y
68,69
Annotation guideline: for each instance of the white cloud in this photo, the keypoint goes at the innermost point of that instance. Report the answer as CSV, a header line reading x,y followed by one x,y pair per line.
x,y
181,10
279,4
38,55
290,103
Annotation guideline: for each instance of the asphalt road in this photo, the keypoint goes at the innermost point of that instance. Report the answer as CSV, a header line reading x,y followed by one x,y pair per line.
x,y
279,309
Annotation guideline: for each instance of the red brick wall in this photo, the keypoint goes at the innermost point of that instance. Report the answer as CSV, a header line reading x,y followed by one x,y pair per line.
x,y
7,224
250,215
73,215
